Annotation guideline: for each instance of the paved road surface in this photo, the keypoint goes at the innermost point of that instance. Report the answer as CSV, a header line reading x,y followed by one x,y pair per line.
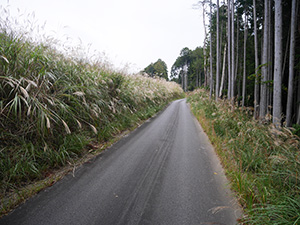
x,y
165,172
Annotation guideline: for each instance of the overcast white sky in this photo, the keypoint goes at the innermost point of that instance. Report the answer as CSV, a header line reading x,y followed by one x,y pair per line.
x,y
134,32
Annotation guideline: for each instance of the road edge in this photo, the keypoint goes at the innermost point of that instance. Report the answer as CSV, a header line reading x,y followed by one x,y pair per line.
x,y
219,170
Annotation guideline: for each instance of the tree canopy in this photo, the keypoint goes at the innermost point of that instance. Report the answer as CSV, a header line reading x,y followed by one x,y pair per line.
x,y
159,68
193,59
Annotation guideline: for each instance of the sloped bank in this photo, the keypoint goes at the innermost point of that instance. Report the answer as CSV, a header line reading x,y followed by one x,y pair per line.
x,y
54,109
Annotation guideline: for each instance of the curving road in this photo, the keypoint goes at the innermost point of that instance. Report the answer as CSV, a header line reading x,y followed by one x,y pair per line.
x,y
165,172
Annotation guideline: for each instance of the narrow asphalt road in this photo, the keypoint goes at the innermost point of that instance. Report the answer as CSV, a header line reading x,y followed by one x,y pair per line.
x,y
165,172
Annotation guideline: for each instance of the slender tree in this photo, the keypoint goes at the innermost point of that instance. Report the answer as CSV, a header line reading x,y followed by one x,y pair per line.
x,y
291,66
218,54
264,69
210,52
223,72
256,86
221,28
270,58
298,103
232,53
277,64
237,51
185,72
244,68
229,49
182,79
204,42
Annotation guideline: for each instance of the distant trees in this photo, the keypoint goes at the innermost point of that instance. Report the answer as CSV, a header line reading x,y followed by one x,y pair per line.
x,y
188,69
159,68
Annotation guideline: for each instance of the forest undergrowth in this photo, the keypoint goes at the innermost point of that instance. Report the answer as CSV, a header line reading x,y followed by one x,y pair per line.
x,y
261,162
56,108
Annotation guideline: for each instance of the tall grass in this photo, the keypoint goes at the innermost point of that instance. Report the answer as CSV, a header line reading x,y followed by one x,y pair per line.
x,y
53,104
263,163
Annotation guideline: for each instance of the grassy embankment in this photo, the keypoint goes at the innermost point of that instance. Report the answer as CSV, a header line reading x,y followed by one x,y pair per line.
x,y
262,163
56,109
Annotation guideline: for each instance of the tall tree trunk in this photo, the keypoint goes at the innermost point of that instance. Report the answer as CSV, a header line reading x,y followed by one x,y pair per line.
x,y
223,72
256,87
286,52
270,59
237,50
204,42
218,54
232,53
298,102
244,69
277,64
220,43
182,79
186,77
229,48
200,79
210,52
264,69
197,77
291,66
238,81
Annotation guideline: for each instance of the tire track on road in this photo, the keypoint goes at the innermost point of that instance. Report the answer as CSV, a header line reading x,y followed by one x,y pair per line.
x,y
134,208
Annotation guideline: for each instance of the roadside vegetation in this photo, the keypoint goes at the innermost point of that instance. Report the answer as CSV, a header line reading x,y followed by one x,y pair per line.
x,y
262,162
56,108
